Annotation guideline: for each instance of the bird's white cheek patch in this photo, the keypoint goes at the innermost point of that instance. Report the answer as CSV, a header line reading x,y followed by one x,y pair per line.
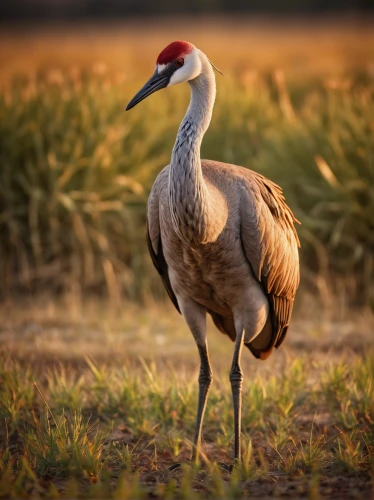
x,y
180,75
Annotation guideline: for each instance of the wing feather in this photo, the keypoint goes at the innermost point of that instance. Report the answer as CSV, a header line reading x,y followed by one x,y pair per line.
x,y
154,239
271,244
161,266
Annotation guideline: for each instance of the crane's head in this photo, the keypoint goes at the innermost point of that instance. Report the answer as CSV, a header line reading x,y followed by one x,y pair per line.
x,y
178,62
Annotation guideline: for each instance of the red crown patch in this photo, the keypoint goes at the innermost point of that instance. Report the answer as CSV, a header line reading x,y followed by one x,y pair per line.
x,y
173,51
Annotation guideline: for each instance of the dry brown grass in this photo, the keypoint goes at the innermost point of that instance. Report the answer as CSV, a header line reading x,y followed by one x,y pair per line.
x,y
50,329
299,47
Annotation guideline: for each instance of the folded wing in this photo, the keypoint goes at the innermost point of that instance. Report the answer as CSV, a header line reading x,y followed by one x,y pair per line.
x,y
270,244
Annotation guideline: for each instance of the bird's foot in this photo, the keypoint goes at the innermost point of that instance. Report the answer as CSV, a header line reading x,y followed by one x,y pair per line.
x,y
174,467
223,466
226,467
188,463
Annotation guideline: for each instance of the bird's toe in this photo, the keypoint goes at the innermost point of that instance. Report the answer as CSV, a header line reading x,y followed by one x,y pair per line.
x,y
226,467
174,467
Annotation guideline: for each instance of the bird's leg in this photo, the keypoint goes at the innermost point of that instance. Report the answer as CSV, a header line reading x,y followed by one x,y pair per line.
x,y
236,379
205,381
195,316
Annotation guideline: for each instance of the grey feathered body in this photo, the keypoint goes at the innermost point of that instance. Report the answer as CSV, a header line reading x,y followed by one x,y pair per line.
x,y
251,264
222,237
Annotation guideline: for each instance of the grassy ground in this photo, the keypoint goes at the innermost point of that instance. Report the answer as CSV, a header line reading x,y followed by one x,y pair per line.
x,y
97,402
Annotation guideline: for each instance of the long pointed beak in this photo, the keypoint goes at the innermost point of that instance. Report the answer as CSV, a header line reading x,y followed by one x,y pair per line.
x,y
156,82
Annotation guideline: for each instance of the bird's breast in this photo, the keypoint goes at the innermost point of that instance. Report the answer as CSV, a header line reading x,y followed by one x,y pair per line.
x,y
212,273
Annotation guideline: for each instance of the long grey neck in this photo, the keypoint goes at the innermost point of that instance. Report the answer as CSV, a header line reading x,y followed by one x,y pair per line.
x,y
190,203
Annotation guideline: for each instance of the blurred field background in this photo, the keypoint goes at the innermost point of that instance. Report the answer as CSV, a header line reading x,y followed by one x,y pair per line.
x,y
83,313
296,103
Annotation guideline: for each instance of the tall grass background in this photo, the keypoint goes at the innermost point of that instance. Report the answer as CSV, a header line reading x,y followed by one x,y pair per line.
x,y
76,170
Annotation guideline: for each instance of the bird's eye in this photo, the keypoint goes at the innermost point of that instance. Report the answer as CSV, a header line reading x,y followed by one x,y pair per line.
x,y
179,62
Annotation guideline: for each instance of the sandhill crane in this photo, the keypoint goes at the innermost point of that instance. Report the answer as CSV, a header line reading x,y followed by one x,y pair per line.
x,y
221,236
